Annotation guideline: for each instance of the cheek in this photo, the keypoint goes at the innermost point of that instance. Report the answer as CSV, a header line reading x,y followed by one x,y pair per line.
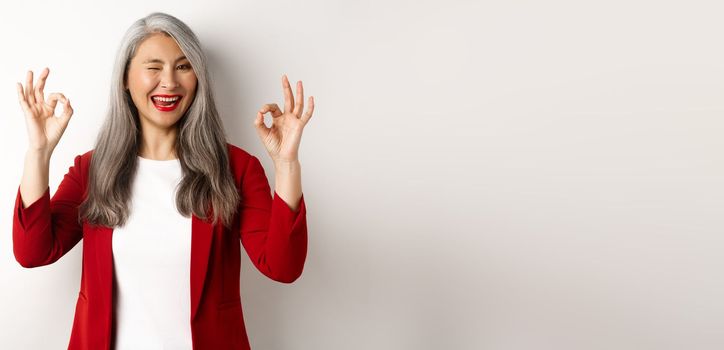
x,y
189,83
147,82
141,84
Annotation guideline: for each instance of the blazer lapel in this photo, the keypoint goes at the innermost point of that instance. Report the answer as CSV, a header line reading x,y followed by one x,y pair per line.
x,y
201,237
101,244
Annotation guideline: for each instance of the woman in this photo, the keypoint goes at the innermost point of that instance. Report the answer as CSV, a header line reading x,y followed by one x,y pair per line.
x,y
162,200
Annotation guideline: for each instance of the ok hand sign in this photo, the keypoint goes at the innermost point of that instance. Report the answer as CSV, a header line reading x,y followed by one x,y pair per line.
x,y
44,129
283,137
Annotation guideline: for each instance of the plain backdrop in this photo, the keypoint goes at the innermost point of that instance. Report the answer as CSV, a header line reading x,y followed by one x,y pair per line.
x,y
479,174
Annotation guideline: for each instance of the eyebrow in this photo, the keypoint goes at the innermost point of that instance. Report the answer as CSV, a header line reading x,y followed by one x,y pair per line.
x,y
156,60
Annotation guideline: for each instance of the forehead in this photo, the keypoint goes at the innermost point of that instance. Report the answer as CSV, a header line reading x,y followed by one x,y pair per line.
x,y
159,46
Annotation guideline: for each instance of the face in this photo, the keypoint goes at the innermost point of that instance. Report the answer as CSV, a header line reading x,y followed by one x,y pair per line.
x,y
161,82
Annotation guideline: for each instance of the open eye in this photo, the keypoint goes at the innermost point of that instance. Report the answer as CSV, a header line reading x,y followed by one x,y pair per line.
x,y
184,67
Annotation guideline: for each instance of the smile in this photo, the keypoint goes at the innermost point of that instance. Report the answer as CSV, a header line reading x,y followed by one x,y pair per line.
x,y
166,103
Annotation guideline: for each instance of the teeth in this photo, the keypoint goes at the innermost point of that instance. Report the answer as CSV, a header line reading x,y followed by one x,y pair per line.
x,y
165,99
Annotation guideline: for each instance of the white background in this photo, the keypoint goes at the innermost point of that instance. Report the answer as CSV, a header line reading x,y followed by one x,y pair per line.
x,y
478,174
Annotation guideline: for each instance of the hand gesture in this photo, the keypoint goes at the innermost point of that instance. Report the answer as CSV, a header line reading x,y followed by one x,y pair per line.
x,y
283,137
44,128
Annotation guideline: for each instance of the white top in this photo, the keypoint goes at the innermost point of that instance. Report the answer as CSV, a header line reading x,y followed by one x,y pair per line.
x,y
152,262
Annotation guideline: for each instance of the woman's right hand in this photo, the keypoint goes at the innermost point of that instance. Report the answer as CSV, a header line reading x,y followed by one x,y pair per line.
x,y
44,128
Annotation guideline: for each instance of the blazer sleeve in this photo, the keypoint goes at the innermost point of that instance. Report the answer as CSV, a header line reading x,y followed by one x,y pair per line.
x,y
48,228
273,235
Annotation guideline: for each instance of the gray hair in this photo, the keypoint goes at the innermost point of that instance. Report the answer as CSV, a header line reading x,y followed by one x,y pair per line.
x,y
207,185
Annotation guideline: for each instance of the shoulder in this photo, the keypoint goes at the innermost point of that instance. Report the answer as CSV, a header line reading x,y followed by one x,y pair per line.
x,y
85,157
240,160
83,160
78,171
236,153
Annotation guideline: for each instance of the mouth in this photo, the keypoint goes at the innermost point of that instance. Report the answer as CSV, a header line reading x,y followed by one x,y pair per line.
x,y
166,103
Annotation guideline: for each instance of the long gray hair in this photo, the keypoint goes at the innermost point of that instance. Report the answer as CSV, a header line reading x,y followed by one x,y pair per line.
x,y
207,188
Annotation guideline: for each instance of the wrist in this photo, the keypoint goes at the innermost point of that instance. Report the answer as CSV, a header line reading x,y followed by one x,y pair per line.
x,y
286,164
38,154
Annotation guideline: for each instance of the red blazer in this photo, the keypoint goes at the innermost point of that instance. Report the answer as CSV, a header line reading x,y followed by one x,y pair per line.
x,y
274,237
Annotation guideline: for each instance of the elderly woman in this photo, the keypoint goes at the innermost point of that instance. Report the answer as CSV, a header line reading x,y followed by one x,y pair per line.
x,y
162,200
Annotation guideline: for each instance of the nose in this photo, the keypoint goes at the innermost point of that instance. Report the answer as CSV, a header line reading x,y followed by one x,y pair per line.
x,y
168,79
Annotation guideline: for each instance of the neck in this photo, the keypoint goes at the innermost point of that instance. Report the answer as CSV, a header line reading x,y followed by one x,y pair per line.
x,y
159,144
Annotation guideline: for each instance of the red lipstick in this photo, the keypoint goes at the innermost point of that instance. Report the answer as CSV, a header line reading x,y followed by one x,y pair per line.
x,y
166,103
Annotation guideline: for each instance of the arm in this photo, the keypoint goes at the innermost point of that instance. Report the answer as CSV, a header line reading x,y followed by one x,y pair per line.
x,y
35,176
46,229
274,236
288,182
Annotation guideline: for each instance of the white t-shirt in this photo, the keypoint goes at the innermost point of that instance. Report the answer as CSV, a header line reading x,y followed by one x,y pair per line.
x,y
152,262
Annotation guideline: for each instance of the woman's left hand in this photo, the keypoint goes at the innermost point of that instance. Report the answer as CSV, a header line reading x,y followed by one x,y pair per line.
x,y
283,137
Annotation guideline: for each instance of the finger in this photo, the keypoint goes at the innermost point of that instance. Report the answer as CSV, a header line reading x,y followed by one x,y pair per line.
x,y
29,88
288,97
273,108
261,129
21,98
53,98
41,85
308,114
299,103
259,121
67,112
